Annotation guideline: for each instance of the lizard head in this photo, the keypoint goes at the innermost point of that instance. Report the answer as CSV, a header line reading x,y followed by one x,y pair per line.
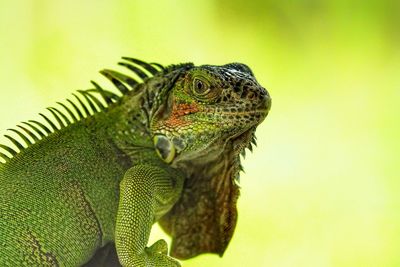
x,y
209,118
209,106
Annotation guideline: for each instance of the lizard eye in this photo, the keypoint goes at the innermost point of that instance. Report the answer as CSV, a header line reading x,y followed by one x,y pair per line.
x,y
200,87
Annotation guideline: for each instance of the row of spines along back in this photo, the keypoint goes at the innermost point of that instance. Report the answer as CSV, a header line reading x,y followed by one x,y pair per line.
x,y
96,99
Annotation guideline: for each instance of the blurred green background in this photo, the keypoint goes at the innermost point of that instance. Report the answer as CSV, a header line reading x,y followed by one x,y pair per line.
x,y
322,188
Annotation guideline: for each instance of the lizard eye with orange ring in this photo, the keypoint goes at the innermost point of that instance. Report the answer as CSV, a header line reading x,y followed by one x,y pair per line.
x,y
200,86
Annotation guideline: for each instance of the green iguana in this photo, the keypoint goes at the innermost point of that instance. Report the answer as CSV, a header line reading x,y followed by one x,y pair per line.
x,y
98,175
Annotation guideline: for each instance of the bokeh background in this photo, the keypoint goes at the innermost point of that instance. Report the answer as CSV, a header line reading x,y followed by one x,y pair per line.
x,y
322,188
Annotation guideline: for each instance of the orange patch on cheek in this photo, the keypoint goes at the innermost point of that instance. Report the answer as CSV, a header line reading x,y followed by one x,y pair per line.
x,y
185,109
175,123
179,111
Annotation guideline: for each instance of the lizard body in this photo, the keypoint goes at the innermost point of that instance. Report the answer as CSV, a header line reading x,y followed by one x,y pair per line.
x,y
166,150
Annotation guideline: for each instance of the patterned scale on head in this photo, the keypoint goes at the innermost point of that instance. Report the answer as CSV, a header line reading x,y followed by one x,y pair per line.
x,y
207,106
209,119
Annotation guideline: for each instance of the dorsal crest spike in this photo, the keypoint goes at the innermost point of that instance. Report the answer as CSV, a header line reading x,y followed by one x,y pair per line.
x,y
143,64
15,142
53,126
102,92
88,100
9,150
71,114
161,67
60,122
77,110
142,75
41,125
4,156
62,115
118,79
87,113
94,100
28,132
32,135
22,136
113,97
33,127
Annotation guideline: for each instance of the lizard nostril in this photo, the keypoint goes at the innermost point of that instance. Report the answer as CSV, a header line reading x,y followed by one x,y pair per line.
x,y
250,95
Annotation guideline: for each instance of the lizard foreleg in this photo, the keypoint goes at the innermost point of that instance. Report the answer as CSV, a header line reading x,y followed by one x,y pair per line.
x,y
146,193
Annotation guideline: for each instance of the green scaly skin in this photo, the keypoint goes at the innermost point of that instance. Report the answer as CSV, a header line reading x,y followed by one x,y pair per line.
x,y
167,150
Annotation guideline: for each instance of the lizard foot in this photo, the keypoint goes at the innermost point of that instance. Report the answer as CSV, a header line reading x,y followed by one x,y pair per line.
x,y
153,256
157,255
159,247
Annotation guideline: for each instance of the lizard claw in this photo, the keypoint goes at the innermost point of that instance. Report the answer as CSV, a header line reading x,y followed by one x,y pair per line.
x,y
158,255
155,255
159,247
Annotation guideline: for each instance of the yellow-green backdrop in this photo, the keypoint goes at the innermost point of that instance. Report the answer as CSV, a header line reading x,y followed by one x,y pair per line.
x,y
322,188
